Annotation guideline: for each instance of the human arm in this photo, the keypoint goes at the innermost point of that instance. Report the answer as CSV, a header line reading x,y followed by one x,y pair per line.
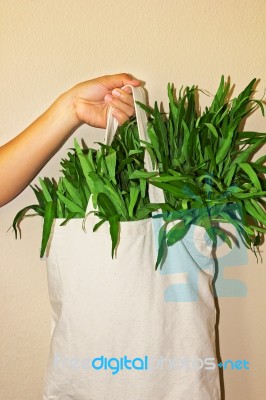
x,y
22,158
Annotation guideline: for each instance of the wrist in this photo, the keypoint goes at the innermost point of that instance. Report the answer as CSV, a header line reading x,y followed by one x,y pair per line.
x,y
66,109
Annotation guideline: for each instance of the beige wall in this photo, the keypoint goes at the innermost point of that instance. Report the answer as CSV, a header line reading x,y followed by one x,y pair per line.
x,y
46,46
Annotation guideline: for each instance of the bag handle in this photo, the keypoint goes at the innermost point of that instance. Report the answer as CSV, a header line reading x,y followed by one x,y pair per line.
x,y
155,194
141,117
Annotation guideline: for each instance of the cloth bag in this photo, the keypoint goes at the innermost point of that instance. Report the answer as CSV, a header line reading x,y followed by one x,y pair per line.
x,y
120,329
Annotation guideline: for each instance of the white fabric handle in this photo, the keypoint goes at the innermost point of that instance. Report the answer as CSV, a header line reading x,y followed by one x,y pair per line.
x,y
112,124
155,194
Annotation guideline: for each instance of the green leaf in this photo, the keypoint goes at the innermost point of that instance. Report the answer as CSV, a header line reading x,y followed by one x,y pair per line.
x,y
114,231
142,175
210,177
45,190
212,129
49,216
96,226
106,205
134,193
143,187
170,178
85,165
244,155
258,207
70,216
185,150
73,192
146,210
161,131
261,160
162,245
257,214
220,95
249,195
177,232
155,145
146,108
132,152
39,195
258,168
22,214
229,177
259,229
226,144
184,190
238,225
117,202
111,165
251,174
223,236
71,205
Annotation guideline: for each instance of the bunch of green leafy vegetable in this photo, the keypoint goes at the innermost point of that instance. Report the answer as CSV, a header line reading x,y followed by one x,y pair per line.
x,y
102,174
204,169
205,166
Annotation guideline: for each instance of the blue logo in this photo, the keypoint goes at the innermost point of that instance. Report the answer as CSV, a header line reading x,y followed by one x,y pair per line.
x,y
195,256
146,363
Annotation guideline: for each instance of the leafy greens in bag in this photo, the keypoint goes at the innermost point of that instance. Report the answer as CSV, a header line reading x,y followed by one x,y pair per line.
x,y
205,170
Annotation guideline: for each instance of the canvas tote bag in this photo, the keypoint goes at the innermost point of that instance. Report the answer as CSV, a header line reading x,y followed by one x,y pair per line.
x,y
120,329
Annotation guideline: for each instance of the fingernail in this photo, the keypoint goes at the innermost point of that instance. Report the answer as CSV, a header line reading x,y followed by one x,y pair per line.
x,y
127,89
108,97
116,92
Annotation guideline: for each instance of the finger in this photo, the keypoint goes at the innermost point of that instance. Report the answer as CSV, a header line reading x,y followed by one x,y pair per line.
x,y
125,108
127,89
120,116
124,95
119,80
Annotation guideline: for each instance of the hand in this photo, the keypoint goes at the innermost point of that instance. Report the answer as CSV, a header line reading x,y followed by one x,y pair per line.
x,y
93,98
87,102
